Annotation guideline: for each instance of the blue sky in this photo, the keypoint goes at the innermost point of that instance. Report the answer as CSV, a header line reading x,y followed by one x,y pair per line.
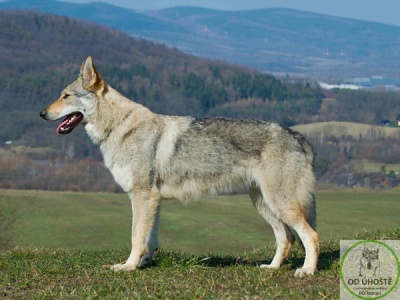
x,y
384,11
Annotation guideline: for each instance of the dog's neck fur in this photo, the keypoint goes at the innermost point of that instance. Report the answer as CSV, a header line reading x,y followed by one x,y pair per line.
x,y
102,123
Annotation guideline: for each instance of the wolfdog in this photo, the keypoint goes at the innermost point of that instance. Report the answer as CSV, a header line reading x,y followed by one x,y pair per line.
x,y
154,157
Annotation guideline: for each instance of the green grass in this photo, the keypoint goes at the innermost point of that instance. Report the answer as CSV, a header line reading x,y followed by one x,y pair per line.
x,y
77,274
209,250
222,225
43,273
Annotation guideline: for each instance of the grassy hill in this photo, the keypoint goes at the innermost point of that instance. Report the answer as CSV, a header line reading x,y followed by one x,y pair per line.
x,y
221,225
344,129
84,234
31,273
354,154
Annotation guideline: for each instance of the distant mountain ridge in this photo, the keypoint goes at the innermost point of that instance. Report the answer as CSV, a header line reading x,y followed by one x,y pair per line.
x,y
274,40
103,13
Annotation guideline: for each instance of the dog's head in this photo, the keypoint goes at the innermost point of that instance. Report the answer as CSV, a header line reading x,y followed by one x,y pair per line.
x,y
78,100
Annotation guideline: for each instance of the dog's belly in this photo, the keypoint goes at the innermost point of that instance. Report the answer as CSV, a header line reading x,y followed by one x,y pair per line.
x,y
191,189
185,191
170,192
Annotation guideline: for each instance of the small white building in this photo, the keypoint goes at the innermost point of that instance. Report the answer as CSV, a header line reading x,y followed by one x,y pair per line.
x,y
342,86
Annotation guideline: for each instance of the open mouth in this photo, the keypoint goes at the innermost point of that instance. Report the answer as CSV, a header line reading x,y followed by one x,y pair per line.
x,y
69,123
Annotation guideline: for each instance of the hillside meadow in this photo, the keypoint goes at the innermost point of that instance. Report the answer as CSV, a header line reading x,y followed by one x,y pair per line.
x,y
67,241
222,225
343,129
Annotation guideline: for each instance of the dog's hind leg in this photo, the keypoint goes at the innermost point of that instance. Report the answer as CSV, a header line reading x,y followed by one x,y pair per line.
x,y
301,218
146,212
283,234
309,238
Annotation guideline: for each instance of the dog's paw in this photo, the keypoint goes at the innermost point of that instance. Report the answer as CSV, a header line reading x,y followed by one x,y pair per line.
x,y
123,267
304,272
270,266
145,261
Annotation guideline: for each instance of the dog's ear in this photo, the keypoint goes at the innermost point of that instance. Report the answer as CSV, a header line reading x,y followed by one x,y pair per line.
x,y
91,79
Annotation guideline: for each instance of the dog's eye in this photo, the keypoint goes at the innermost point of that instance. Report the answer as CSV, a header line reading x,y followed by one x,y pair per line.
x,y
66,96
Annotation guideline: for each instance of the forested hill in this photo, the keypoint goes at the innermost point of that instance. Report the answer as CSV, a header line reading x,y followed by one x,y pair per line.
x,y
41,53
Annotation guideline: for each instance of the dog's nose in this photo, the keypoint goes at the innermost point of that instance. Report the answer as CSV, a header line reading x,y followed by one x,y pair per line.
x,y
43,114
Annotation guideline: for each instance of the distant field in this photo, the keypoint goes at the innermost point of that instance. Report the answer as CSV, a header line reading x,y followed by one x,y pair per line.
x,y
225,224
340,129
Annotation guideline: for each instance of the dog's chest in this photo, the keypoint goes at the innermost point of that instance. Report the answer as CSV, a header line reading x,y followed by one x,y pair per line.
x,y
120,168
122,176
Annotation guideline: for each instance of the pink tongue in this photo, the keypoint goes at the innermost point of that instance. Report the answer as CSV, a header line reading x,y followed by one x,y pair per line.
x,y
62,124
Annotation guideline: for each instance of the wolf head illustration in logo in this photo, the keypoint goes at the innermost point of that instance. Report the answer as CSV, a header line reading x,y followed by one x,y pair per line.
x,y
369,262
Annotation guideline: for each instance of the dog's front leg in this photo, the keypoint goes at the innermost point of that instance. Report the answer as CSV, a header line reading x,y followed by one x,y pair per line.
x,y
146,212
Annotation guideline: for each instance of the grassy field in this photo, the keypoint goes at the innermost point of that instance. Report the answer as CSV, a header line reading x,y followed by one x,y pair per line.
x,y
83,274
209,250
44,273
222,225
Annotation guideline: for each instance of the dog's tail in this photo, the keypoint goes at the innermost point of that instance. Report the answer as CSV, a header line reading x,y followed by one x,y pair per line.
x,y
311,217
312,213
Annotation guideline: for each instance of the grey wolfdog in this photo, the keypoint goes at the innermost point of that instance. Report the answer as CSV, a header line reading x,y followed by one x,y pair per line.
x,y
154,157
